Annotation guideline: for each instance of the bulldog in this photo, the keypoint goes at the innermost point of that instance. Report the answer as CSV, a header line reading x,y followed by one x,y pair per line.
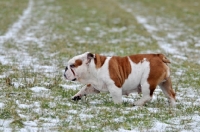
x,y
121,75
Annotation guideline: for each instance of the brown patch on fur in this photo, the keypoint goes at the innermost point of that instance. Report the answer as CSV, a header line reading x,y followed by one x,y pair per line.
x,y
139,57
158,71
99,60
88,85
78,63
119,70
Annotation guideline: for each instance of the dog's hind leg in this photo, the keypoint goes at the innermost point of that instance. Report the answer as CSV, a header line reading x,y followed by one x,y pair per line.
x,y
166,87
146,94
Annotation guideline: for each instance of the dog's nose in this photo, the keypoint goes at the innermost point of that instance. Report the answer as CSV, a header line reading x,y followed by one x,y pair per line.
x,y
65,71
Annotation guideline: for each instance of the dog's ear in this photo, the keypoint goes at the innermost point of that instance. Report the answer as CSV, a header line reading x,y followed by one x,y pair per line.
x,y
90,56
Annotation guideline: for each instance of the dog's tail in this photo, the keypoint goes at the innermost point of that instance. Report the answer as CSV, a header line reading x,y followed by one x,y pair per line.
x,y
163,58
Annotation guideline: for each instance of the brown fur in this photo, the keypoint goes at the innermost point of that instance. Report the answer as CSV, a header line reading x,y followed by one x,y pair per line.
x,y
99,60
88,85
119,69
139,57
158,73
78,63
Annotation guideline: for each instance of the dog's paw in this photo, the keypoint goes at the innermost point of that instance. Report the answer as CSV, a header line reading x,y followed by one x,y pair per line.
x,y
76,98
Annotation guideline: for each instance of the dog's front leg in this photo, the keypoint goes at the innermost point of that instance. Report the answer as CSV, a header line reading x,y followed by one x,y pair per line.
x,y
116,94
88,89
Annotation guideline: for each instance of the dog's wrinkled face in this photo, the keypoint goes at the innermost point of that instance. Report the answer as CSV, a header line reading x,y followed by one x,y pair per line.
x,y
76,68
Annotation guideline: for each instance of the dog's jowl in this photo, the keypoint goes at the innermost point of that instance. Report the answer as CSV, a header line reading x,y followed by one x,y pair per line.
x,y
121,75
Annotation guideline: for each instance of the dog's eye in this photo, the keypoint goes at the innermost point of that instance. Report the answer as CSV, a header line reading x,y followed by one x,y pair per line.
x,y
72,66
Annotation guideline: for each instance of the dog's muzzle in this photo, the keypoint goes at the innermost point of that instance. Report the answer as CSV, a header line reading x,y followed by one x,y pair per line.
x,y
66,76
65,72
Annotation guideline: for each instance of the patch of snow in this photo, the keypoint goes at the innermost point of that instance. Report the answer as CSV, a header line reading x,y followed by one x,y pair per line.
x,y
24,106
188,92
182,43
118,30
101,33
179,72
85,116
30,123
152,24
17,84
108,53
96,101
72,111
39,89
29,129
4,125
123,130
23,116
153,110
197,45
119,119
4,60
168,48
73,86
37,104
197,102
143,21
46,68
14,29
191,120
114,41
159,126
130,100
49,124
29,34
87,29
69,118
49,121
1,105
52,104
37,110
180,57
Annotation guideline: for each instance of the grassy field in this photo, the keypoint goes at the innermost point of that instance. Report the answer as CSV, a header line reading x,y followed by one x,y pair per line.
x,y
37,38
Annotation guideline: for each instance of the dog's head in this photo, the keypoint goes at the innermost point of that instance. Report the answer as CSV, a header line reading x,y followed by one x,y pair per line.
x,y
77,67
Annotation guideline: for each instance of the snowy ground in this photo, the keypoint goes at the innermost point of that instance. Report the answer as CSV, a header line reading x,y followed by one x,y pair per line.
x,y
34,50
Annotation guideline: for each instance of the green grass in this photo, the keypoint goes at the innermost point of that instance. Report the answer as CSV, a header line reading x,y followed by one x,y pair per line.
x,y
10,11
73,27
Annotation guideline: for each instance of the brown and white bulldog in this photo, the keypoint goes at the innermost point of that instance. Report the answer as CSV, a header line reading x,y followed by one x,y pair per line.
x,y
121,75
